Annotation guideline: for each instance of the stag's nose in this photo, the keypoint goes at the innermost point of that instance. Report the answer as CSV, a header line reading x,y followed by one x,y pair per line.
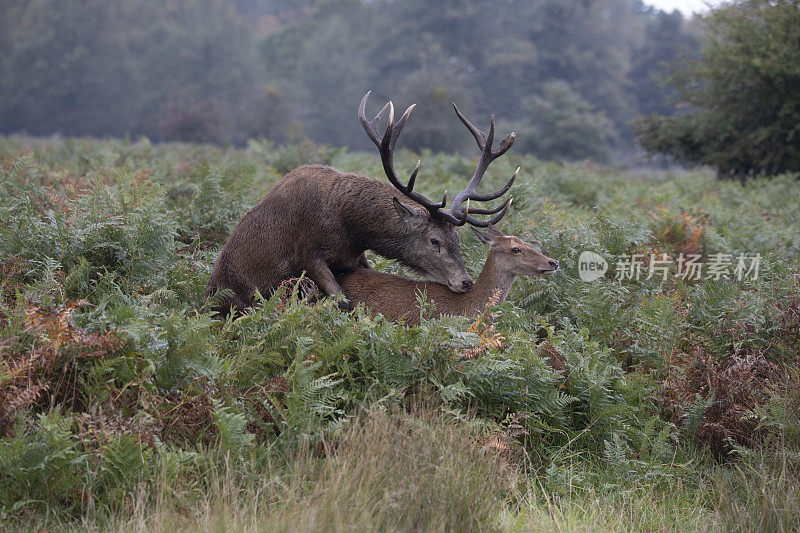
x,y
554,264
466,284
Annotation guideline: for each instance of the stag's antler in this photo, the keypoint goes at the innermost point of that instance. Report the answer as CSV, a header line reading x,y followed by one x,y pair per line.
x,y
459,214
386,148
459,211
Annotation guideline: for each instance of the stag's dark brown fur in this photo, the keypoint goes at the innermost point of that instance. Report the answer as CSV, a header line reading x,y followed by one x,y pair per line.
x,y
320,220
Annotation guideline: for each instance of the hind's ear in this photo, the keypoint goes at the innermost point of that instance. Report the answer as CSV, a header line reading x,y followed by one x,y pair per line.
x,y
484,237
496,233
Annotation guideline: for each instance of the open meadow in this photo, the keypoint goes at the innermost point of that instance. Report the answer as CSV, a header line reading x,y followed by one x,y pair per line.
x,y
643,400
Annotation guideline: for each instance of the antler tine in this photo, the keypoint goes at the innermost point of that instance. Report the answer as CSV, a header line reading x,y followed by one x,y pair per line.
x,y
398,127
386,149
483,211
445,215
386,146
413,177
495,195
490,139
371,127
478,134
505,144
486,223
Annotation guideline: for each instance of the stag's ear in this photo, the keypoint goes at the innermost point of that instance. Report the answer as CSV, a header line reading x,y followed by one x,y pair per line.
x,y
484,237
404,212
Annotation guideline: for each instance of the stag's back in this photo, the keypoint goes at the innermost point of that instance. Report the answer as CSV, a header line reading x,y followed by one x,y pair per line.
x,y
308,214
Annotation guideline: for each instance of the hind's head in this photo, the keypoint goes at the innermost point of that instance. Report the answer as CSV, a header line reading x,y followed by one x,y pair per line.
x,y
515,256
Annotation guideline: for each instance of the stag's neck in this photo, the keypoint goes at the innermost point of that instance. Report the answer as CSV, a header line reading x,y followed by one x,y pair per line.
x,y
373,222
492,280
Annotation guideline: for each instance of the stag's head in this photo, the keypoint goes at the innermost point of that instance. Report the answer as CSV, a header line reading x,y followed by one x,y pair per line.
x,y
432,246
515,256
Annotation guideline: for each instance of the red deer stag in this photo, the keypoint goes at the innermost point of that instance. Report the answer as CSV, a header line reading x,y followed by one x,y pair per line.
x,y
395,297
321,221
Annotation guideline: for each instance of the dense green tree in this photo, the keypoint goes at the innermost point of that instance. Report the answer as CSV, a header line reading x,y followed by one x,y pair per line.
x,y
561,125
664,41
271,116
585,44
113,67
742,95
500,55
62,74
320,61
224,71
435,124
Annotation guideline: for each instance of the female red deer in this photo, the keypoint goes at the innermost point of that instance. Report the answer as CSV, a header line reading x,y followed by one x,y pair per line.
x,y
395,297
319,220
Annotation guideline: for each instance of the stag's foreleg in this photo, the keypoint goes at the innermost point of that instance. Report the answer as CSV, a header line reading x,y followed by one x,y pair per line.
x,y
230,303
321,274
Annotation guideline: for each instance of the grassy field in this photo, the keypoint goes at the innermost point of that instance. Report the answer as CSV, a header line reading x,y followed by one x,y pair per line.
x,y
618,404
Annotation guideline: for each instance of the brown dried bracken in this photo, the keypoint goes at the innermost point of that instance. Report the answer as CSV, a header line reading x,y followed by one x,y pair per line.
x,y
736,385
43,369
557,361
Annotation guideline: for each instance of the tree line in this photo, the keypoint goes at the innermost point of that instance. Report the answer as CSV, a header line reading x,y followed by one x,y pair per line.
x,y
570,76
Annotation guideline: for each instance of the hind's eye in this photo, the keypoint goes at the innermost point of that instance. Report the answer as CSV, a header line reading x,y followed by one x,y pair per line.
x,y
435,242
516,251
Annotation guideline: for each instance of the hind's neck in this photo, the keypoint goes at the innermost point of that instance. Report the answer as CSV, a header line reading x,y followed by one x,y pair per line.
x,y
492,280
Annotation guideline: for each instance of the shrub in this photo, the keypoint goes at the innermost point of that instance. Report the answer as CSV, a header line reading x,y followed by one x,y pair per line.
x,y
563,126
120,229
741,95
209,207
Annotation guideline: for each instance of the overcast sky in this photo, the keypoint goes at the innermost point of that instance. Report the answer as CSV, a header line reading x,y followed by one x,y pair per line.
x,y
686,6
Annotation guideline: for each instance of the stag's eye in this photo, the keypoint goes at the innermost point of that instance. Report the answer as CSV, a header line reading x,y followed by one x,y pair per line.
x,y
516,251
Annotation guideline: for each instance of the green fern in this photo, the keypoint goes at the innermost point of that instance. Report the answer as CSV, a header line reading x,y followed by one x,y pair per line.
x,y
232,429
125,462
42,463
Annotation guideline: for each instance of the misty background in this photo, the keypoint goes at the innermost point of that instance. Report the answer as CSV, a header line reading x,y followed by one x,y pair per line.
x,y
569,76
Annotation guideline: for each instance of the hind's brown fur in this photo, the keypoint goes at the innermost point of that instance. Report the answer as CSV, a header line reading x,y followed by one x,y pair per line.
x,y
396,296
